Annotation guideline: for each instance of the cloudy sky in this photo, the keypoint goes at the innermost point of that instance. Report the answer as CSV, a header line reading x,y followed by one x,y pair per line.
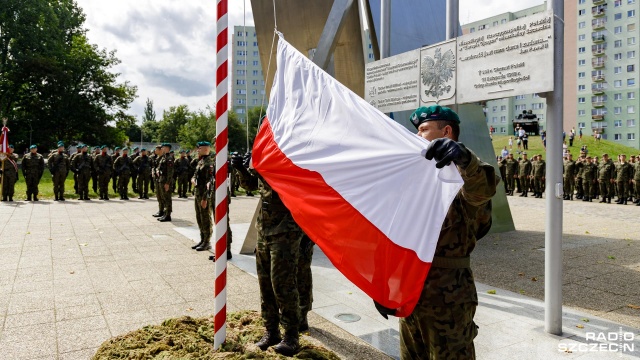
x,y
167,47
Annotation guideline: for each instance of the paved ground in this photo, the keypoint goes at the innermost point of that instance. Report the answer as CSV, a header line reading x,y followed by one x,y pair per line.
x,y
69,279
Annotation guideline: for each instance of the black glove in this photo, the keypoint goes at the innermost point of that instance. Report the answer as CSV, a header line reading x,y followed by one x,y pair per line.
x,y
384,311
446,150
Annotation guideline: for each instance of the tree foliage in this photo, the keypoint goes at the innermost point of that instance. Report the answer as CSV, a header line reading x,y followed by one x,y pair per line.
x,y
52,78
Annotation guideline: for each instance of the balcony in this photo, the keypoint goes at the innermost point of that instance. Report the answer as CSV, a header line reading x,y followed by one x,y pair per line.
x,y
599,12
598,24
598,62
598,2
597,117
597,38
599,51
597,78
597,104
597,90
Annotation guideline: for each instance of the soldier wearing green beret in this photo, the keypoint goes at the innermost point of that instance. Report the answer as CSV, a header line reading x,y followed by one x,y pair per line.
x,y
203,181
9,175
165,170
59,166
182,174
134,172
102,165
143,165
82,165
441,325
32,170
122,167
155,159
114,175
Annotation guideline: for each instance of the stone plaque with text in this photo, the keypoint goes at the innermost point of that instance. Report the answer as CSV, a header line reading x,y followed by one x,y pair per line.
x,y
392,84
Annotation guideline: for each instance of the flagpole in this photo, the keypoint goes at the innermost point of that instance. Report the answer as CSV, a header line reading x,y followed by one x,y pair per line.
x,y
221,205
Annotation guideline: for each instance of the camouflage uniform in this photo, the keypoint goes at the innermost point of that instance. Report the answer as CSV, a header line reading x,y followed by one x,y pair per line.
x,y
102,165
122,167
623,176
59,166
164,172
539,172
579,178
524,171
568,178
9,176
134,172
589,173
32,170
441,325
75,175
502,167
94,174
82,165
605,179
636,181
182,175
114,183
511,170
142,164
192,170
203,175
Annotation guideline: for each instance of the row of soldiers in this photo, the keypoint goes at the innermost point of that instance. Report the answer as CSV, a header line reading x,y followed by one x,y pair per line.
x,y
586,179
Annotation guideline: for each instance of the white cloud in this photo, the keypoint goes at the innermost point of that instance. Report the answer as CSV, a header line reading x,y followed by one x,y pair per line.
x,y
167,48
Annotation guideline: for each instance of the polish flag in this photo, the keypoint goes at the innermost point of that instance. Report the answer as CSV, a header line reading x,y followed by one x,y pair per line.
x,y
354,180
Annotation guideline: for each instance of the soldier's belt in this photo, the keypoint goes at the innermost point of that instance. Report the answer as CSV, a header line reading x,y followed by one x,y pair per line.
x,y
451,262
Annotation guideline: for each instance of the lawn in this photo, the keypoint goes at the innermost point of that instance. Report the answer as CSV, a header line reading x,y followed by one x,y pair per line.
x,y
595,149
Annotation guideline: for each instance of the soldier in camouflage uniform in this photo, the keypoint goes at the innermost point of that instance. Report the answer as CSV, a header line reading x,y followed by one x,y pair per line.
x,y
606,178
277,263
155,159
193,162
102,165
511,166
32,170
441,325
589,173
9,175
502,168
524,174
134,172
94,174
538,174
580,177
182,174
164,172
203,181
569,169
82,166
624,176
142,165
123,167
114,176
636,181
75,176
59,166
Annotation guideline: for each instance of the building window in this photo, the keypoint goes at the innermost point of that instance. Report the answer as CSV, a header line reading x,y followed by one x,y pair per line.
x,y
535,95
581,1
580,88
581,25
495,23
617,110
241,62
503,21
503,108
582,62
617,96
631,41
242,53
617,43
617,3
494,119
494,108
631,109
241,101
617,30
242,43
631,82
254,82
370,56
617,123
631,123
254,101
631,95
617,83
581,50
581,125
503,130
617,56
631,27
582,37
581,75
524,106
537,106
581,100
241,92
631,54
631,1
617,137
631,136
472,30
503,119
581,12
239,111
240,33
482,27
255,54
581,113
520,97
254,92
255,62
631,13
617,69
240,72
255,72
240,82
617,16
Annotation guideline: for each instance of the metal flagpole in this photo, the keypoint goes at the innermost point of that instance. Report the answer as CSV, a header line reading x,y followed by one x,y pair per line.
x,y
220,209
452,19
385,28
553,226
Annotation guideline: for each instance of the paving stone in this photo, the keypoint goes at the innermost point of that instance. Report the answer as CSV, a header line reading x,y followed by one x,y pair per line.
x,y
31,318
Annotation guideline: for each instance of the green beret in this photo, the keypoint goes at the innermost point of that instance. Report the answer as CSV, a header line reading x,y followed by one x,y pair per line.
x,y
204,143
167,145
60,144
432,113
135,148
33,147
143,149
125,149
117,148
182,151
103,146
11,146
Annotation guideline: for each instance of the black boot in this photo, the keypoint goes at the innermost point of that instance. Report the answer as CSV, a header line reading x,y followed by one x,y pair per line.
x,y
35,197
200,243
229,254
166,217
638,204
289,346
270,338
609,200
28,197
304,323
61,197
10,198
206,245
625,202
56,199
160,213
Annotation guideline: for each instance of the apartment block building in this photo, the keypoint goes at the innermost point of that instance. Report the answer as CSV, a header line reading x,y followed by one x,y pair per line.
x,y
247,80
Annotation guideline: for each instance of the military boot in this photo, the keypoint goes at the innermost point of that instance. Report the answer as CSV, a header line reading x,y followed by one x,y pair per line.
x,y
166,217
304,323
35,197
270,338
206,245
10,198
200,243
160,213
609,200
61,197
289,346
28,197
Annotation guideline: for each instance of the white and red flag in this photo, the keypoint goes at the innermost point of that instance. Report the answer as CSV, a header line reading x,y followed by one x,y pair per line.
x,y
355,181
4,140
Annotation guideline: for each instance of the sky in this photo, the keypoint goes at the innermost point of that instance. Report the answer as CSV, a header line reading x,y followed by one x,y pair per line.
x,y
167,47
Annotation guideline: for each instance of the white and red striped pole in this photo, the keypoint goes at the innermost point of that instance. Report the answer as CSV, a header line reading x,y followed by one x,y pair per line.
x,y
222,137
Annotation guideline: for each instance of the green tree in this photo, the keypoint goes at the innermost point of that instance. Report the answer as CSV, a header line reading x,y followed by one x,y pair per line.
x,y
253,118
201,126
172,121
149,113
237,134
150,131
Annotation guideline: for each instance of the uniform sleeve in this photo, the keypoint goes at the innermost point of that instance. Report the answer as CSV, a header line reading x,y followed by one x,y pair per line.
x,y
480,181
170,170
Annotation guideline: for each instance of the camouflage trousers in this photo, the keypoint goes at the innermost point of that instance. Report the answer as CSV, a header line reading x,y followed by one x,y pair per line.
x,y
183,184
636,186
203,217
164,196
538,184
58,182
579,187
277,263
438,333
103,184
568,186
587,187
8,184
623,189
83,182
510,182
114,185
524,183
304,278
158,197
142,184
123,184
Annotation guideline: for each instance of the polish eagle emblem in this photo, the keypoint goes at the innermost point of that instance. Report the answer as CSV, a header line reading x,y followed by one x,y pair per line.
x,y
437,71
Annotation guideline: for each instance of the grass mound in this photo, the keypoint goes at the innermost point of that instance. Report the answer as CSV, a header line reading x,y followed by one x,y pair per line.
x,y
192,338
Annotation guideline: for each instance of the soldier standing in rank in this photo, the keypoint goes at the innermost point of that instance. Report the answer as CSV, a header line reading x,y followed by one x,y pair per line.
x,y
524,174
94,174
624,177
155,160
114,176
142,164
606,178
636,181
102,165
59,166
588,179
539,173
579,177
82,165
569,168
32,170
203,181
182,174
165,172
122,167
10,175
75,176
511,172
502,162
134,172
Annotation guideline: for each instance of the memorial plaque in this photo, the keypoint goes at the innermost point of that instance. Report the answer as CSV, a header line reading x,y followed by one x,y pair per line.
x,y
508,60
